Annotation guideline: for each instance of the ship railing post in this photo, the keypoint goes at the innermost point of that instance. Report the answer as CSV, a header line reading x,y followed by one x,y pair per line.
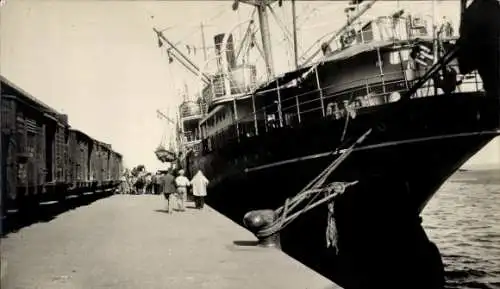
x,y
476,81
212,89
298,106
280,116
265,119
201,83
227,83
255,115
381,68
320,91
236,119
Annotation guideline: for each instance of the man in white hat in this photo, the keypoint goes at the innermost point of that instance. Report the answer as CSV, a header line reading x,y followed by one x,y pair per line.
x,y
182,183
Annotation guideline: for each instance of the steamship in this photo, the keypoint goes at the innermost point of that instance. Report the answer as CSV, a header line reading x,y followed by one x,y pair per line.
x,y
385,96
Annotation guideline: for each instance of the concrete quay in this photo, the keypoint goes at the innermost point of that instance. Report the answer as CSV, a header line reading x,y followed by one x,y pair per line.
x,y
127,241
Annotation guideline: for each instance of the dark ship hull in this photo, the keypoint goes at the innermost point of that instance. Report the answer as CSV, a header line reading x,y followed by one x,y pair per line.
x,y
413,148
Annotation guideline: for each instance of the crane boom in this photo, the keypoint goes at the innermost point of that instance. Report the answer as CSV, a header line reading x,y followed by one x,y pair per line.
x,y
190,65
162,115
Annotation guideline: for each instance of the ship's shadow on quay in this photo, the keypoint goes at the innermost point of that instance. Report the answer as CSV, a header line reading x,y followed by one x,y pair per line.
x,y
14,221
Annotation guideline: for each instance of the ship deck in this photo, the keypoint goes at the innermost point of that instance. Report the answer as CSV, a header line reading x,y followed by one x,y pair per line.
x,y
127,241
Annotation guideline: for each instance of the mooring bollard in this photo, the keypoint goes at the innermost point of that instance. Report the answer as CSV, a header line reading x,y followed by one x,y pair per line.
x,y
258,220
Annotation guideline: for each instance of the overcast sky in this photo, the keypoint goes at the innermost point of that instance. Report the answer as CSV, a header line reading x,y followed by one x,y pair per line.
x,y
98,61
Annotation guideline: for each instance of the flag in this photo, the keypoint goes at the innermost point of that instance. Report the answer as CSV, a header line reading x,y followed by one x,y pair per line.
x,y
170,58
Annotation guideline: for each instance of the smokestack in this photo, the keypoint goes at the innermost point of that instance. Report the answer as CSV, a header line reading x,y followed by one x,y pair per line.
x,y
229,50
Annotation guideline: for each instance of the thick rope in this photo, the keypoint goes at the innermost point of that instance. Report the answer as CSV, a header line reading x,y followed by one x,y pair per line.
x,y
284,221
314,187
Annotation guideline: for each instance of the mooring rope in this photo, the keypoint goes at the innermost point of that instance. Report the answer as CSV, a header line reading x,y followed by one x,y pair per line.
x,y
314,188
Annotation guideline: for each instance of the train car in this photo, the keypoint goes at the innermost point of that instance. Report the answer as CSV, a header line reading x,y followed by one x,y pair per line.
x,y
115,168
79,157
27,138
57,157
94,165
43,158
105,152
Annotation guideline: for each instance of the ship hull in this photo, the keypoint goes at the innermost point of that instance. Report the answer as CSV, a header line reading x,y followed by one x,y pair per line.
x,y
412,150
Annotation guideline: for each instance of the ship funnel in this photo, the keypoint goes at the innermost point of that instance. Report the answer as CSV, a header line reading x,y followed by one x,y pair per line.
x,y
227,52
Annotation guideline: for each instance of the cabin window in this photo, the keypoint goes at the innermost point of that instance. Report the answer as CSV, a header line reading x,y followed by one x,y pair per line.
x,y
397,56
394,58
405,54
365,35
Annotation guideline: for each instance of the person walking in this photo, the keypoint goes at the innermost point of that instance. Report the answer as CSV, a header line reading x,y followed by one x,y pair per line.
x,y
182,184
140,184
149,184
155,183
167,183
199,183
123,184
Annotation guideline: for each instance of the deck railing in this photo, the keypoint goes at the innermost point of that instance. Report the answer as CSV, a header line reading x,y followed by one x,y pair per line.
x,y
193,111
376,90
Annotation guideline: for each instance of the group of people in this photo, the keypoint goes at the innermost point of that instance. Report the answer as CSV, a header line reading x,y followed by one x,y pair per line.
x,y
139,183
175,189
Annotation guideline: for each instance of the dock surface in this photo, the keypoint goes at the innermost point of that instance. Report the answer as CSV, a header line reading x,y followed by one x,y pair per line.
x,y
127,241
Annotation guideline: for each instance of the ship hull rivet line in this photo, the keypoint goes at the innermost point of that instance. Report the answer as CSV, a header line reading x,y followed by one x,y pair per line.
x,y
267,224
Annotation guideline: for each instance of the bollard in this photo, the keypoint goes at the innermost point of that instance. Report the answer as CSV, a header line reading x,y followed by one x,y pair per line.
x,y
259,219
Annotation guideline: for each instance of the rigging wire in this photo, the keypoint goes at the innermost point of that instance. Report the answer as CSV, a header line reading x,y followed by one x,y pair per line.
x,y
195,28
313,11
173,88
286,22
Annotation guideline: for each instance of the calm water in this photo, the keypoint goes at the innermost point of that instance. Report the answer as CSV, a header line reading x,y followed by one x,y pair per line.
x,y
463,219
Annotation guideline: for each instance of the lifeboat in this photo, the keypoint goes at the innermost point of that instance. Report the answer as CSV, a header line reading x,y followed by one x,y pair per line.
x,y
165,155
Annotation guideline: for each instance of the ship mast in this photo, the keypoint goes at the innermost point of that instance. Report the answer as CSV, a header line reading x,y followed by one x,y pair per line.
x,y
294,24
266,37
262,6
203,42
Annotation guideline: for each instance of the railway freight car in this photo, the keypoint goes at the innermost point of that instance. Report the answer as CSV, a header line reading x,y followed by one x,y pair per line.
x,y
43,158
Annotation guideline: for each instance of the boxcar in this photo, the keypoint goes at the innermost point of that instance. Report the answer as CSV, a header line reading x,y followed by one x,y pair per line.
x,y
115,167
27,162
57,134
79,149
104,160
42,158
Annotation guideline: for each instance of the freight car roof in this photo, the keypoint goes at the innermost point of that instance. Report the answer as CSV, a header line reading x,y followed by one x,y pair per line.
x,y
108,146
9,87
81,133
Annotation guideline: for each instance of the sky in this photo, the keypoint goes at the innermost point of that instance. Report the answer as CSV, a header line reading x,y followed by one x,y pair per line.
x,y
99,61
